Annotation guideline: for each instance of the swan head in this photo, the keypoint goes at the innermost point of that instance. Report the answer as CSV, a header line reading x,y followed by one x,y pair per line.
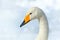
x,y
33,13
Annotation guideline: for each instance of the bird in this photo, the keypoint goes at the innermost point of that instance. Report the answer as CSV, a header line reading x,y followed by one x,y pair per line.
x,y
38,13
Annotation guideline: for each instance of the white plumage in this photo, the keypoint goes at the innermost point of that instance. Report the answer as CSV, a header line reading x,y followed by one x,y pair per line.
x,y
37,13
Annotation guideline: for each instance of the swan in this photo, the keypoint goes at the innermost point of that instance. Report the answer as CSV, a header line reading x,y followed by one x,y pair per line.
x,y
37,13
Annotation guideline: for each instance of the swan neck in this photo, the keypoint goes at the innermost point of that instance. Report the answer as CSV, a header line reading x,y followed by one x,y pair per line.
x,y
43,29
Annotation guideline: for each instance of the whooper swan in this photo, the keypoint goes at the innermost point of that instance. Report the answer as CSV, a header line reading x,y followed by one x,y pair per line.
x,y
37,13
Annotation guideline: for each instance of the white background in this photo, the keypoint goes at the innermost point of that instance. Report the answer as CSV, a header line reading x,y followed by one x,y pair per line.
x,y
12,13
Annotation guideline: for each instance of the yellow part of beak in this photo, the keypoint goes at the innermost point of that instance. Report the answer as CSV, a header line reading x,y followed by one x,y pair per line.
x,y
27,18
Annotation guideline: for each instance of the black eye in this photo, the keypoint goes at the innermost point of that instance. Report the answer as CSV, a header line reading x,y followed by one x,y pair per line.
x,y
30,13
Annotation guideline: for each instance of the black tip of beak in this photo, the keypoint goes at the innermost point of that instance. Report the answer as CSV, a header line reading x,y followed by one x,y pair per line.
x,y
23,23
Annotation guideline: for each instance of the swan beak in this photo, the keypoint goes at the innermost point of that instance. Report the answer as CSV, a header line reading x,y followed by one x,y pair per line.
x,y
26,20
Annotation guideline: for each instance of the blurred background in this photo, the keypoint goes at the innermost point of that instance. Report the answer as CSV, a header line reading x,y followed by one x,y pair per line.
x,y
12,13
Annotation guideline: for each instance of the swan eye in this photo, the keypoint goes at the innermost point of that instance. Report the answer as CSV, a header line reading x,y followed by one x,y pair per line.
x,y
30,13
